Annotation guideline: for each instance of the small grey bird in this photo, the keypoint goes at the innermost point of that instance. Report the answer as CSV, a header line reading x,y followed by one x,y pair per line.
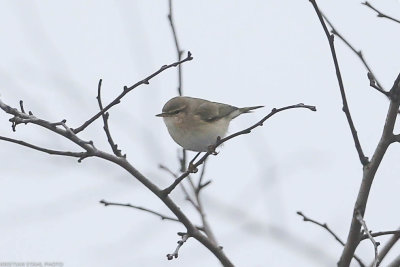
x,y
195,123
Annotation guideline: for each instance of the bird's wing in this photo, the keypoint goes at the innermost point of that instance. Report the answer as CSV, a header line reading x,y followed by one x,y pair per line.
x,y
210,111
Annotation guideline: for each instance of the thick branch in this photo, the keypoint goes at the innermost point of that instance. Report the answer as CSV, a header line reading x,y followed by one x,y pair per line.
x,y
326,227
346,110
128,89
395,262
380,14
369,172
193,167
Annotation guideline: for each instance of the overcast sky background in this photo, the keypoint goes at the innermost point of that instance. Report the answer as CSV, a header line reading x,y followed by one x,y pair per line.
x,y
271,53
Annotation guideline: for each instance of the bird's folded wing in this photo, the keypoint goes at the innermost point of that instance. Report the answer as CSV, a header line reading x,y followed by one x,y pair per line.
x,y
211,111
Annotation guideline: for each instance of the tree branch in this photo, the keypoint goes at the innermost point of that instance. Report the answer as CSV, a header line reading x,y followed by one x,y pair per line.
x,y
369,172
359,217
126,90
371,167
179,51
185,237
373,82
162,217
363,159
381,233
193,167
380,14
106,128
388,246
20,117
395,262
184,190
326,227
206,226
45,150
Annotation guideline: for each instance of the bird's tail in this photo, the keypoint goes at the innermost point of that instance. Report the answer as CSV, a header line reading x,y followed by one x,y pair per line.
x,y
243,110
249,109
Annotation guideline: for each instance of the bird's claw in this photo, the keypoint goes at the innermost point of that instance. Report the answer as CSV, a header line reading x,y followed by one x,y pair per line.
x,y
192,168
211,150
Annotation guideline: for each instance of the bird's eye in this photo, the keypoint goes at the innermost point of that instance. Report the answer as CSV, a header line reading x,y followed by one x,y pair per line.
x,y
174,112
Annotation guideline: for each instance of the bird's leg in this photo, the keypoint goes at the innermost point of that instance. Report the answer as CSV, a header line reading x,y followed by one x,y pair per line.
x,y
191,166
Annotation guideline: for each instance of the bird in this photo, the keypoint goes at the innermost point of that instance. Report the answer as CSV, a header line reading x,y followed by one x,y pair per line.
x,y
195,123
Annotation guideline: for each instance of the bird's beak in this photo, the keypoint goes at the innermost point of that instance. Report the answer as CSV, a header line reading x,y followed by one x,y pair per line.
x,y
162,115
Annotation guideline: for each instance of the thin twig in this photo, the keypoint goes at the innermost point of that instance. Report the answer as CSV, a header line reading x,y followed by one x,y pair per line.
x,y
206,226
185,237
162,217
373,81
363,159
20,117
184,190
381,233
193,167
45,150
106,128
370,237
380,14
388,246
179,51
326,227
200,184
126,90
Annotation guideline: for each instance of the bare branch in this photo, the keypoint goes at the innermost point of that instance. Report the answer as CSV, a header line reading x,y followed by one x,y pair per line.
x,y
396,138
66,132
388,246
179,51
373,82
184,190
162,217
21,105
359,217
380,14
193,168
326,227
369,172
206,226
106,128
363,159
126,90
20,117
395,262
376,234
45,150
185,237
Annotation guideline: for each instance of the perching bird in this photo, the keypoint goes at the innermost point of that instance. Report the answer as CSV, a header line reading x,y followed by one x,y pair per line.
x,y
195,123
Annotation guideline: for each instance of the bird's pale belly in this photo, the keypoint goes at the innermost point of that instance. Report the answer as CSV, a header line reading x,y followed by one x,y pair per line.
x,y
197,137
